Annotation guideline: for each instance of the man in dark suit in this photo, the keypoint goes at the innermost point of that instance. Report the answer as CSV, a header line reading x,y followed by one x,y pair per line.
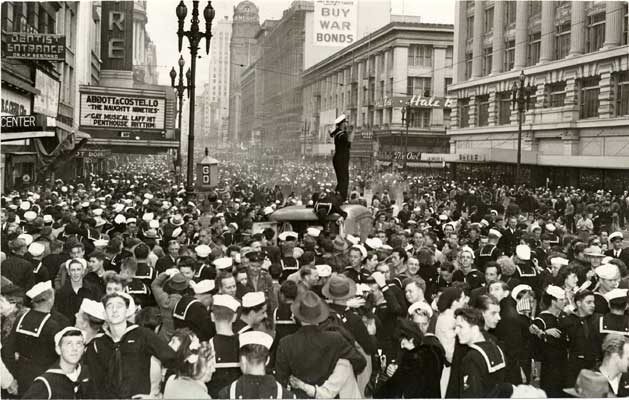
x,y
16,267
510,237
617,251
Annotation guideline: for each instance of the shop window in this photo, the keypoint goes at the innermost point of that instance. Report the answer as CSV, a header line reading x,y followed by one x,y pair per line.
x,y
420,55
589,97
464,112
622,93
482,110
562,41
555,94
487,59
504,108
595,32
533,48
509,55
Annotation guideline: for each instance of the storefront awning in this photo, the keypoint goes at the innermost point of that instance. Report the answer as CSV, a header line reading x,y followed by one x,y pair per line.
x,y
69,129
5,137
434,165
10,80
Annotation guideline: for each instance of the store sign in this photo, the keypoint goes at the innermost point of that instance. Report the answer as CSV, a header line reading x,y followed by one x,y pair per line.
x,y
15,103
117,35
472,157
417,101
400,155
96,153
47,101
36,46
22,123
335,22
130,113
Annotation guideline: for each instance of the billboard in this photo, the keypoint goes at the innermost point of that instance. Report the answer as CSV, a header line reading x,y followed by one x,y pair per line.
x,y
335,22
128,111
117,35
47,101
36,46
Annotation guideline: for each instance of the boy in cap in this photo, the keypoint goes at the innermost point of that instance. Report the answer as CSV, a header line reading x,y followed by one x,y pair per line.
x,y
255,383
608,280
36,252
224,343
617,251
490,251
204,269
192,311
616,320
253,312
66,379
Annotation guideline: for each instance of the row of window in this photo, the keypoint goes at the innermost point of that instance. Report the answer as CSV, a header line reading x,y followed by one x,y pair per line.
x,y
421,55
554,96
27,17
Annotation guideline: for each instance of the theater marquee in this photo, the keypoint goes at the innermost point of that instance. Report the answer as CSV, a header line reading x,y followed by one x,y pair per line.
x,y
122,112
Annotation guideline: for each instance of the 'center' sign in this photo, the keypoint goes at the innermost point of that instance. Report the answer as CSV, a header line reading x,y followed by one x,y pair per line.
x,y
335,22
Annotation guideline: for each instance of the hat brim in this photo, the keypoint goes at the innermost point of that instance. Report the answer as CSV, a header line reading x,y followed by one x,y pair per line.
x,y
351,293
325,313
174,223
594,255
572,392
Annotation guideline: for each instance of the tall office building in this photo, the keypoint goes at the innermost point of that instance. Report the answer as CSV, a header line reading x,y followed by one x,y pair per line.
x,y
218,79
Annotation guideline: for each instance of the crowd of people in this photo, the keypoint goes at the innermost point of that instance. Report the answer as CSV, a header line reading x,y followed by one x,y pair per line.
x,y
121,286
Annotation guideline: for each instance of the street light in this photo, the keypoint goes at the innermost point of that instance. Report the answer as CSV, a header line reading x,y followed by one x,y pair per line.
x,y
521,97
194,36
179,89
406,119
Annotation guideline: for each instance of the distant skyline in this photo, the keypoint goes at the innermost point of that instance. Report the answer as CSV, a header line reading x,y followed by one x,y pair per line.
x,y
162,26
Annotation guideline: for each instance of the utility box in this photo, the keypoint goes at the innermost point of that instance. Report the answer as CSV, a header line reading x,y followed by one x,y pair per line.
x,y
207,173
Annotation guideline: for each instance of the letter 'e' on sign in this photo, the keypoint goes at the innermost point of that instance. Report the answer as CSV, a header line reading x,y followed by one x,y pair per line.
x,y
335,22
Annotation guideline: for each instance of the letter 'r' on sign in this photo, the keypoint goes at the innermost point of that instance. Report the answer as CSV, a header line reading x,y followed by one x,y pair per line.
x,y
206,170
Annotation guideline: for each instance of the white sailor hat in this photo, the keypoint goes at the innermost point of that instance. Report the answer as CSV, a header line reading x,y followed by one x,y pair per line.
x,y
131,220
120,219
550,227
203,287
314,232
268,210
616,235
255,337
420,306
323,270
93,308
28,239
374,243
154,224
148,217
253,299
616,294
523,252
59,335
48,219
97,212
202,250
298,252
101,242
362,249
284,236
340,119
85,204
25,205
118,207
607,271
30,216
36,249
495,233
518,289
443,217
38,289
225,300
556,292
176,232
559,261
485,223
352,239
223,262
148,196
99,221
233,225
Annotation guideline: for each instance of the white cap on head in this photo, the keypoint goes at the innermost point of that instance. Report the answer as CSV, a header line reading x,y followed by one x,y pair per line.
x,y
615,235
340,119
28,239
59,335
352,239
518,289
556,292
484,222
362,249
284,236
559,261
38,289
30,216
323,270
154,224
176,232
203,287
268,210
148,217
97,212
223,262
253,299
550,227
615,294
607,271
225,300
120,219
131,220
314,232
36,249
101,242
25,205
523,252
495,233
421,306
374,243
48,219
255,337
93,308
202,250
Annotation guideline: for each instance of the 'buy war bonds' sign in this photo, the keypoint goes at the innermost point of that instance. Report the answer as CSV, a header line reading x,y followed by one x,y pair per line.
x,y
335,22
122,112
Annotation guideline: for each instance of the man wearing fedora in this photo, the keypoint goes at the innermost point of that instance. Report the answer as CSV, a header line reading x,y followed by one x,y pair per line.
x,y
311,353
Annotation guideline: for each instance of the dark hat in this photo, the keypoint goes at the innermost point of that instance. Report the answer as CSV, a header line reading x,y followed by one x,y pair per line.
x,y
310,308
254,256
339,287
8,288
178,282
408,329
340,244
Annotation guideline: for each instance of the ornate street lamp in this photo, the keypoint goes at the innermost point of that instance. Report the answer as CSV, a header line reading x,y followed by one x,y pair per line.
x,y
406,120
179,89
521,97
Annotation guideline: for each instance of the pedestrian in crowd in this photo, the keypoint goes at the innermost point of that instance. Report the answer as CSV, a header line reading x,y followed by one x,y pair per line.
x,y
193,367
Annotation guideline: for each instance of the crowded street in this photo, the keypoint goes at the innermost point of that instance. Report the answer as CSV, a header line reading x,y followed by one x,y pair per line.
x,y
380,206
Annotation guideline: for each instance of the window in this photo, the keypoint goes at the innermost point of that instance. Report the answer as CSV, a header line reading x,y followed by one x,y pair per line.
x,y
448,82
535,8
555,94
418,86
504,108
32,15
510,11
482,110
449,55
464,112
487,52
420,55
420,118
488,21
468,65
533,48
589,97
7,17
625,25
622,93
470,27
390,87
595,32
509,55
562,41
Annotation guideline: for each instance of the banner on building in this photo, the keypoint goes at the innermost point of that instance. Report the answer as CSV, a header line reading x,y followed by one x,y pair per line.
x,y
122,112
47,101
36,46
335,22
417,101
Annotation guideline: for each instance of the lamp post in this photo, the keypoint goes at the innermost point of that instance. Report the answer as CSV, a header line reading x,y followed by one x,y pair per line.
x,y
194,36
179,89
406,120
520,97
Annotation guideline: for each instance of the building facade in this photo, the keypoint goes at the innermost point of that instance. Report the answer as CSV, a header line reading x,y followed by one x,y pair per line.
x,y
370,81
219,77
242,53
576,58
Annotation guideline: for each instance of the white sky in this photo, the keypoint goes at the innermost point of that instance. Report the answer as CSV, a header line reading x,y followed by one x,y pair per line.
x,y
162,25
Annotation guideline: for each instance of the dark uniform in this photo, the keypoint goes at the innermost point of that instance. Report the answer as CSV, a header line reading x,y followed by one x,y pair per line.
x,y
483,372
204,271
583,351
487,253
55,384
552,354
227,366
527,274
241,326
611,323
30,348
354,324
191,313
601,305
256,387
340,161
289,265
